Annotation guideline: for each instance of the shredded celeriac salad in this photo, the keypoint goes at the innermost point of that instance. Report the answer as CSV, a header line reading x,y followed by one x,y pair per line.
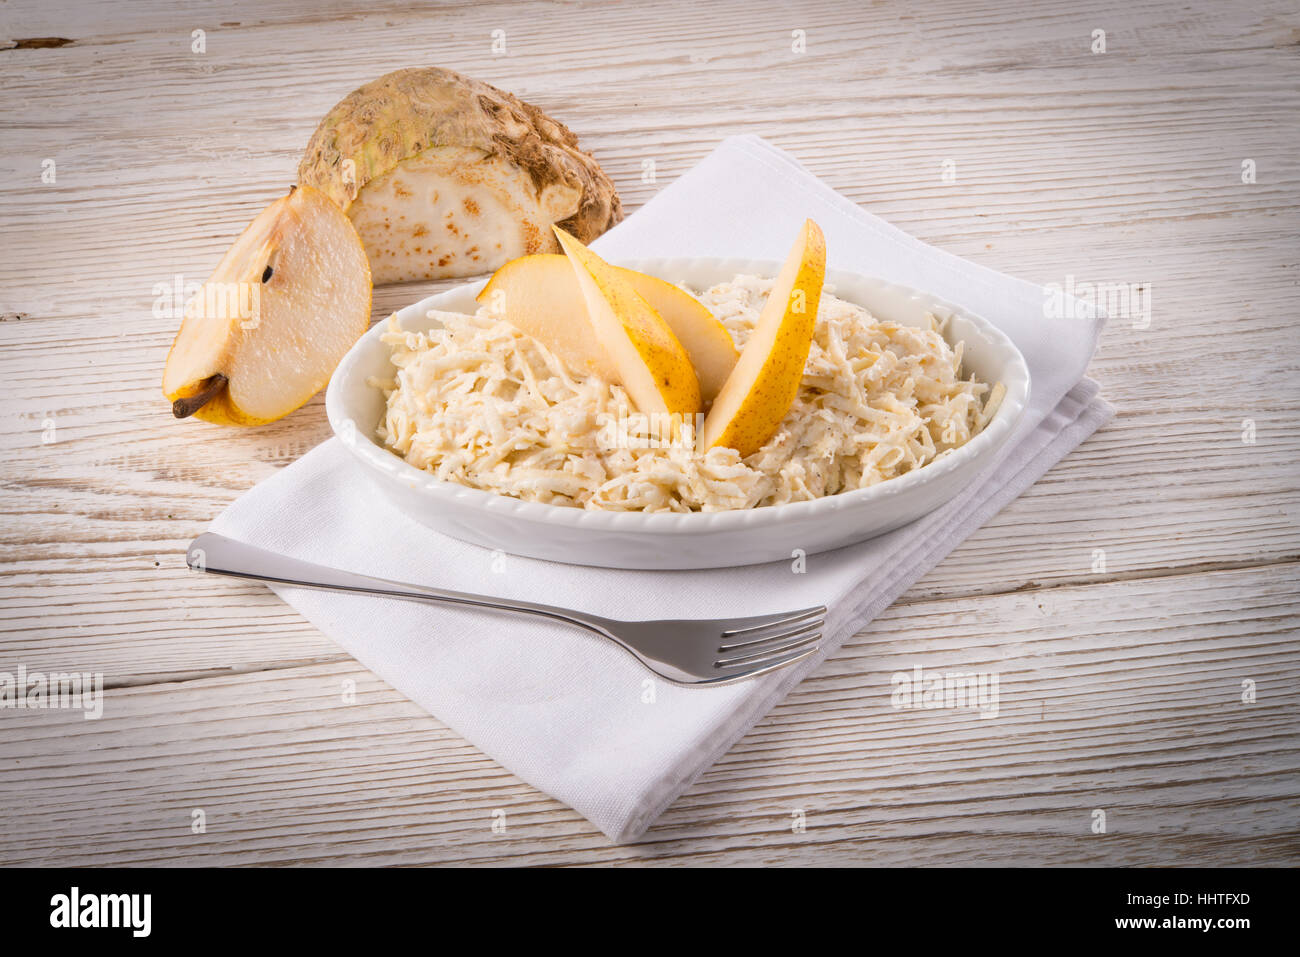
x,y
479,403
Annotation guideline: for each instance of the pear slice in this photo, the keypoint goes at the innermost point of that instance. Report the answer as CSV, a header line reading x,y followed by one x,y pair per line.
x,y
651,364
758,393
540,296
265,332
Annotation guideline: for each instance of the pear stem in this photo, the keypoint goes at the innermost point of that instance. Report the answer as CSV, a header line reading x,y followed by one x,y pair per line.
x,y
184,408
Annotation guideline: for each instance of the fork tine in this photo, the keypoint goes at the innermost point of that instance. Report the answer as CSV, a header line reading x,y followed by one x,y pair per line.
x,y
770,666
763,639
770,622
800,640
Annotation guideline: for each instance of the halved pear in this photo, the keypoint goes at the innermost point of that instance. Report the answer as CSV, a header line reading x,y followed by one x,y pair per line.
x,y
265,332
651,364
764,383
540,296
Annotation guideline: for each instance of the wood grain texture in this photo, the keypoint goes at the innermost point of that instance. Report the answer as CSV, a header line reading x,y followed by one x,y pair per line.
x,y
1121,687
1150,728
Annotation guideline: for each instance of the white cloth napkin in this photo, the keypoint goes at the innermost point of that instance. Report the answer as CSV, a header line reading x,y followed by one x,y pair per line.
x,y
572,714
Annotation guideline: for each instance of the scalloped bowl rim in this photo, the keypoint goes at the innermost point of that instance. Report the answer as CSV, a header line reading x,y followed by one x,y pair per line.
x,y
367,448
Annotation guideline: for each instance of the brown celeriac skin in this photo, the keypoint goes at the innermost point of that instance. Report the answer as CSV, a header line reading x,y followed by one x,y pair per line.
x,y
444,175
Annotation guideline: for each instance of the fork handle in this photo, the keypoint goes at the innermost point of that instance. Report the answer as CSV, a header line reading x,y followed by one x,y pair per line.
x,y
219,555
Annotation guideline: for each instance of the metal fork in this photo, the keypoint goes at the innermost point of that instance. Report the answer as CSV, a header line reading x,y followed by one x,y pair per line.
x,y
687,651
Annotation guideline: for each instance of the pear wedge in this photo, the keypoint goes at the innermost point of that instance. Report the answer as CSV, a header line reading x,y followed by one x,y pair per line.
x,y
648,359
758,393
540,296
265,332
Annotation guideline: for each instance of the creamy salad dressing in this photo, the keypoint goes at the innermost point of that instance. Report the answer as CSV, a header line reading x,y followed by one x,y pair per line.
x,y
479,403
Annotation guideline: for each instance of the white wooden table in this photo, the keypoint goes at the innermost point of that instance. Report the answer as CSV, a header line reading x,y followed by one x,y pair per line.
x,y
1121,683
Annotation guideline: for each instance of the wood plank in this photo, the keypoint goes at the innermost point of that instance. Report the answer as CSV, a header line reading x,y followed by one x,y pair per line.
x,y
1120,167
1143,719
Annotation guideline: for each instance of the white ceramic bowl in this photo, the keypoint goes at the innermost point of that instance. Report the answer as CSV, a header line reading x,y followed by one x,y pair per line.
x,y
674,540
